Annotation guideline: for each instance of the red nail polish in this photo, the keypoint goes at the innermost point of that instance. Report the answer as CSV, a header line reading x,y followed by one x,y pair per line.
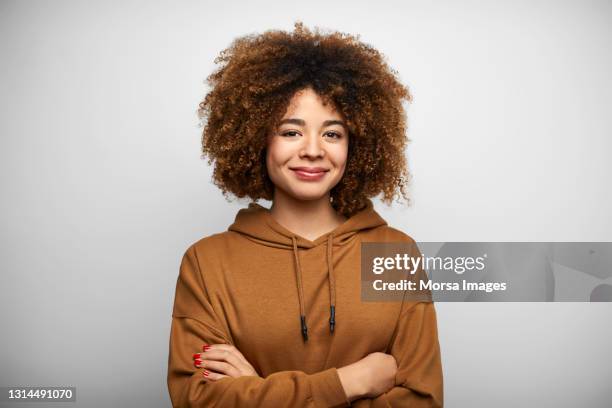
x,y
205,373
197,355
198,361
206,348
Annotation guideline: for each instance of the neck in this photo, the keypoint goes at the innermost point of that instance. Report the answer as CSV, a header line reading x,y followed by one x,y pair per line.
x,y
310,219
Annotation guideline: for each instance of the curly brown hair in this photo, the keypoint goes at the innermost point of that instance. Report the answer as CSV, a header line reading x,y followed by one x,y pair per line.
x,y
251,90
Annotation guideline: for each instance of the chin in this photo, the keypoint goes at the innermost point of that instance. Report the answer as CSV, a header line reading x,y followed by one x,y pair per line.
x,y
307,194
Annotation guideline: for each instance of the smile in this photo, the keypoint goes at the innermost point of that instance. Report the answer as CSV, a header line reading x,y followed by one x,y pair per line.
x,y
309,174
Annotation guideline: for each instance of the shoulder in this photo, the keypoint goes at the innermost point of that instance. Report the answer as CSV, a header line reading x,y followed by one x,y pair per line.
x,y
205,254
386,233
210,244
391,235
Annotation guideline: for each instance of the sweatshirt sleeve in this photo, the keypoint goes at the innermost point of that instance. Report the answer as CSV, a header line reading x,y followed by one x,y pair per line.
x,y
416,349
417,352
194,323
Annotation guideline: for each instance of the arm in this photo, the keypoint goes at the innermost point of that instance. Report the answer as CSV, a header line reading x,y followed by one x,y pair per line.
x,y
416,349
194,323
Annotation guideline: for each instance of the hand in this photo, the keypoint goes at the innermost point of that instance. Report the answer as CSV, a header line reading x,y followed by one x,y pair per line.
x,y
379,370
226,361
369,377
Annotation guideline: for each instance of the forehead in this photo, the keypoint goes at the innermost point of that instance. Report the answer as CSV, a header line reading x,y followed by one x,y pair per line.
x,y
308,101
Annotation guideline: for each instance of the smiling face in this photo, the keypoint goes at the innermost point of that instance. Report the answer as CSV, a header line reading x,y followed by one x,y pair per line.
x,y
307,154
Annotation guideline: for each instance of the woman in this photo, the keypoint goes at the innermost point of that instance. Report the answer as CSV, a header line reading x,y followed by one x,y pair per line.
x,y
268,313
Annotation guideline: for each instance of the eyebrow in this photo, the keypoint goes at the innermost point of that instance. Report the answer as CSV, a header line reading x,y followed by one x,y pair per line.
x,y
301,122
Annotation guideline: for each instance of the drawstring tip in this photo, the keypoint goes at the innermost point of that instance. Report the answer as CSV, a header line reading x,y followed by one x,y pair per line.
x,y
304,327
332,318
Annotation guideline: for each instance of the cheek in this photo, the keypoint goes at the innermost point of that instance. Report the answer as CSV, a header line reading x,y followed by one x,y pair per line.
x,y
271,159
278,153
276,156
271,153
340,157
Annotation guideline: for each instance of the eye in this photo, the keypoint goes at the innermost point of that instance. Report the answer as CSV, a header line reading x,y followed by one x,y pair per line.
x,y
334,135
289,133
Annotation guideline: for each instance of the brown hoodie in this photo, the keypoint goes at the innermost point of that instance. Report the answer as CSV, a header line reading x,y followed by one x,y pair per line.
x,y
292,307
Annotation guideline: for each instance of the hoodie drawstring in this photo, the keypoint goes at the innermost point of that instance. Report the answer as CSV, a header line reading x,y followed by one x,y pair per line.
x,y
332,286
298,271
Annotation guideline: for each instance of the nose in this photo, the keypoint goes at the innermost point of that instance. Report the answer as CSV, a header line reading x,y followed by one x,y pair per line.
x,y
312,146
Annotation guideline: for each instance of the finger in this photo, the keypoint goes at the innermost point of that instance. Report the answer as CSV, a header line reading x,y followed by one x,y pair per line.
x,y
212,376
205,347
230,348
227,354
218,366
243,362
223,346
217,345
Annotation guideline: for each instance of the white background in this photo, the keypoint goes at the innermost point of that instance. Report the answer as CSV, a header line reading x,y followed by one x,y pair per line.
x,y
103,187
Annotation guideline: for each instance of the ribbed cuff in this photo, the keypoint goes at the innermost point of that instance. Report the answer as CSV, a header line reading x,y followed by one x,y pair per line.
x,y
326,389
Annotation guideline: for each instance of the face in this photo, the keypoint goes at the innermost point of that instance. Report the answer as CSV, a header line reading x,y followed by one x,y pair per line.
x,y
307,154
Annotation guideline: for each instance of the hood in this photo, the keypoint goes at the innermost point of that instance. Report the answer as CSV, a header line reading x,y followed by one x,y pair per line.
x,y
256,223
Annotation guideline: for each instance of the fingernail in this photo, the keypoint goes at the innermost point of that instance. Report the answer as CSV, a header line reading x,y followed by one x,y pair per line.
x,y
198,361
197,355
205,347
205,372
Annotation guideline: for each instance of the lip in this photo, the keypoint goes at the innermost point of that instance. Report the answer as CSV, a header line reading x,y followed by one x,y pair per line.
x,y
309,169
309,173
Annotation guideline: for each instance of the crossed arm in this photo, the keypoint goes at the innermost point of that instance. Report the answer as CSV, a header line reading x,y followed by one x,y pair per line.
x,y
234,382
